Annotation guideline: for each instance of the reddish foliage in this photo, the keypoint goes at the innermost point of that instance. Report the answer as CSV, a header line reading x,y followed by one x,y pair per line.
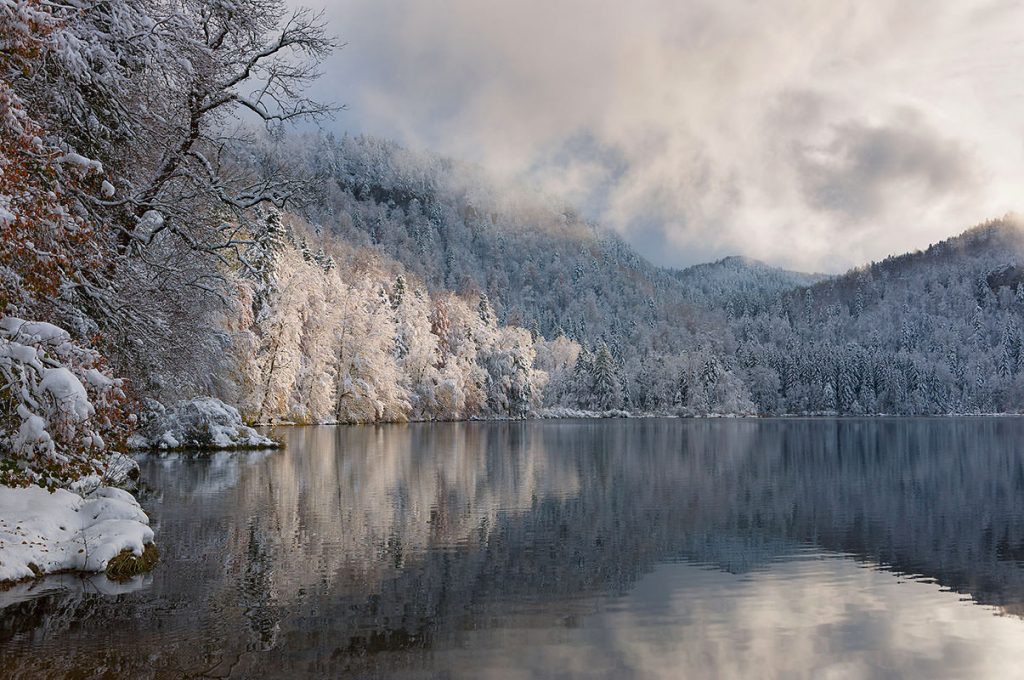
x,y
46,243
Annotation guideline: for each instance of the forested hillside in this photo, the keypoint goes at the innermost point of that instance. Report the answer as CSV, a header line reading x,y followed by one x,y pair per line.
x,y
648,338
733,336
937,332
739,285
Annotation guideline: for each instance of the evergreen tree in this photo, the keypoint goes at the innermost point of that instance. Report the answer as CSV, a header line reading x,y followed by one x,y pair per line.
x,y
485,310
1009,350
398,292
828,400
606,388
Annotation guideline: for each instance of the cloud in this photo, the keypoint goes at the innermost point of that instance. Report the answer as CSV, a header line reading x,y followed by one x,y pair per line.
x,y
856,172
810,134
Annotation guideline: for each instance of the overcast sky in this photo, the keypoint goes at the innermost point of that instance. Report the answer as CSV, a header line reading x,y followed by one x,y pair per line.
x,y
809,133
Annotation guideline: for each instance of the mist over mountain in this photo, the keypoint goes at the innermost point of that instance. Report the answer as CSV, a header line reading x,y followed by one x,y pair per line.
x,y
928,332
542,265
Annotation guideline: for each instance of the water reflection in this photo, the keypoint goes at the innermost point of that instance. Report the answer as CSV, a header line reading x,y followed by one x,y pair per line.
x,y
603,549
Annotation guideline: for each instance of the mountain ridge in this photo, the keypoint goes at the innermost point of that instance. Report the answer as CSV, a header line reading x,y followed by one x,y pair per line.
x,y
736,335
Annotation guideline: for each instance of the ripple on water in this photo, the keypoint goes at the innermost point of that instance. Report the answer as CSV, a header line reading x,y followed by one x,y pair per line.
x,y
647,548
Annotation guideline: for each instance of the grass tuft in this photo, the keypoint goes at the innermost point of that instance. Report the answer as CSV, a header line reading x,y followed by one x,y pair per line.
x,y
126,564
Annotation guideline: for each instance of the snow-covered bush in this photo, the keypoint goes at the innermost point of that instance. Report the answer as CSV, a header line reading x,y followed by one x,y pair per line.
x,y
61,413
202,423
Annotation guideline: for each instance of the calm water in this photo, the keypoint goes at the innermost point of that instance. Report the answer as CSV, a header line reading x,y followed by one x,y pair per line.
x,y
611,549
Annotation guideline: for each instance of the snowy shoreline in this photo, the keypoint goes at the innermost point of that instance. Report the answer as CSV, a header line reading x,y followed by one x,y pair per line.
x,y
43,532
576,414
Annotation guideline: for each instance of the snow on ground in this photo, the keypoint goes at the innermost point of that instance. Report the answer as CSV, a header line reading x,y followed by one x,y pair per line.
x,y
558,412
203,423
62,530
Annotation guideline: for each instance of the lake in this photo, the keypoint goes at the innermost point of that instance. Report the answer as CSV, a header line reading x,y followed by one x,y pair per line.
x,y
657,548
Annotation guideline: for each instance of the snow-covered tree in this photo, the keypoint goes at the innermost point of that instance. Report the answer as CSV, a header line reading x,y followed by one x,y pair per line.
x,y
558,359
61,412
416,350
605,386
513,387
369,385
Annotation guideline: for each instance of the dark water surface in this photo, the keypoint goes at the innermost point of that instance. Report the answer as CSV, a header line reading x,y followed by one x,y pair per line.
x,y
605,549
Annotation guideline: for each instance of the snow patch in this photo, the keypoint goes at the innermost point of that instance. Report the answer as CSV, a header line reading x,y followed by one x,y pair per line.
x,y
558,412
86,164
43,532
150,221
67,391
29,332
7,218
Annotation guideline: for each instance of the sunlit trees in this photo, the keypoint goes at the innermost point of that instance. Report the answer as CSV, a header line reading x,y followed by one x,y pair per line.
x,y
415,348
369,385
339,339
461,391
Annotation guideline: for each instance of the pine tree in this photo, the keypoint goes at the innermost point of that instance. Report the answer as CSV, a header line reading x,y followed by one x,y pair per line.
x,y
261,261
581,378
606,388
1019,365
828,399
398,292
325,261
1007,365
485,310
521,388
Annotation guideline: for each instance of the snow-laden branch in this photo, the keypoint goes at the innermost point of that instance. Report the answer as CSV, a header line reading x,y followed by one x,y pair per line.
x,y
58,406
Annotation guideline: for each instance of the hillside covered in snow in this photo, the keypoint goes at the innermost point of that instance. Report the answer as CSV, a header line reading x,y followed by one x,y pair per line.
x,y
740,285
936,331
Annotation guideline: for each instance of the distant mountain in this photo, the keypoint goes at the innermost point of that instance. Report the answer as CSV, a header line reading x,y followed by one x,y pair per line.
x,y
934,331
739,284
542,266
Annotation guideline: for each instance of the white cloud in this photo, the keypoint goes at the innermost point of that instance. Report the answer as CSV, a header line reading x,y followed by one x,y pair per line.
x,y
810,134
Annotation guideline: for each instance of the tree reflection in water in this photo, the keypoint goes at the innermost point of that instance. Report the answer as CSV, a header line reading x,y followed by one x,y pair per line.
x,y
605,548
